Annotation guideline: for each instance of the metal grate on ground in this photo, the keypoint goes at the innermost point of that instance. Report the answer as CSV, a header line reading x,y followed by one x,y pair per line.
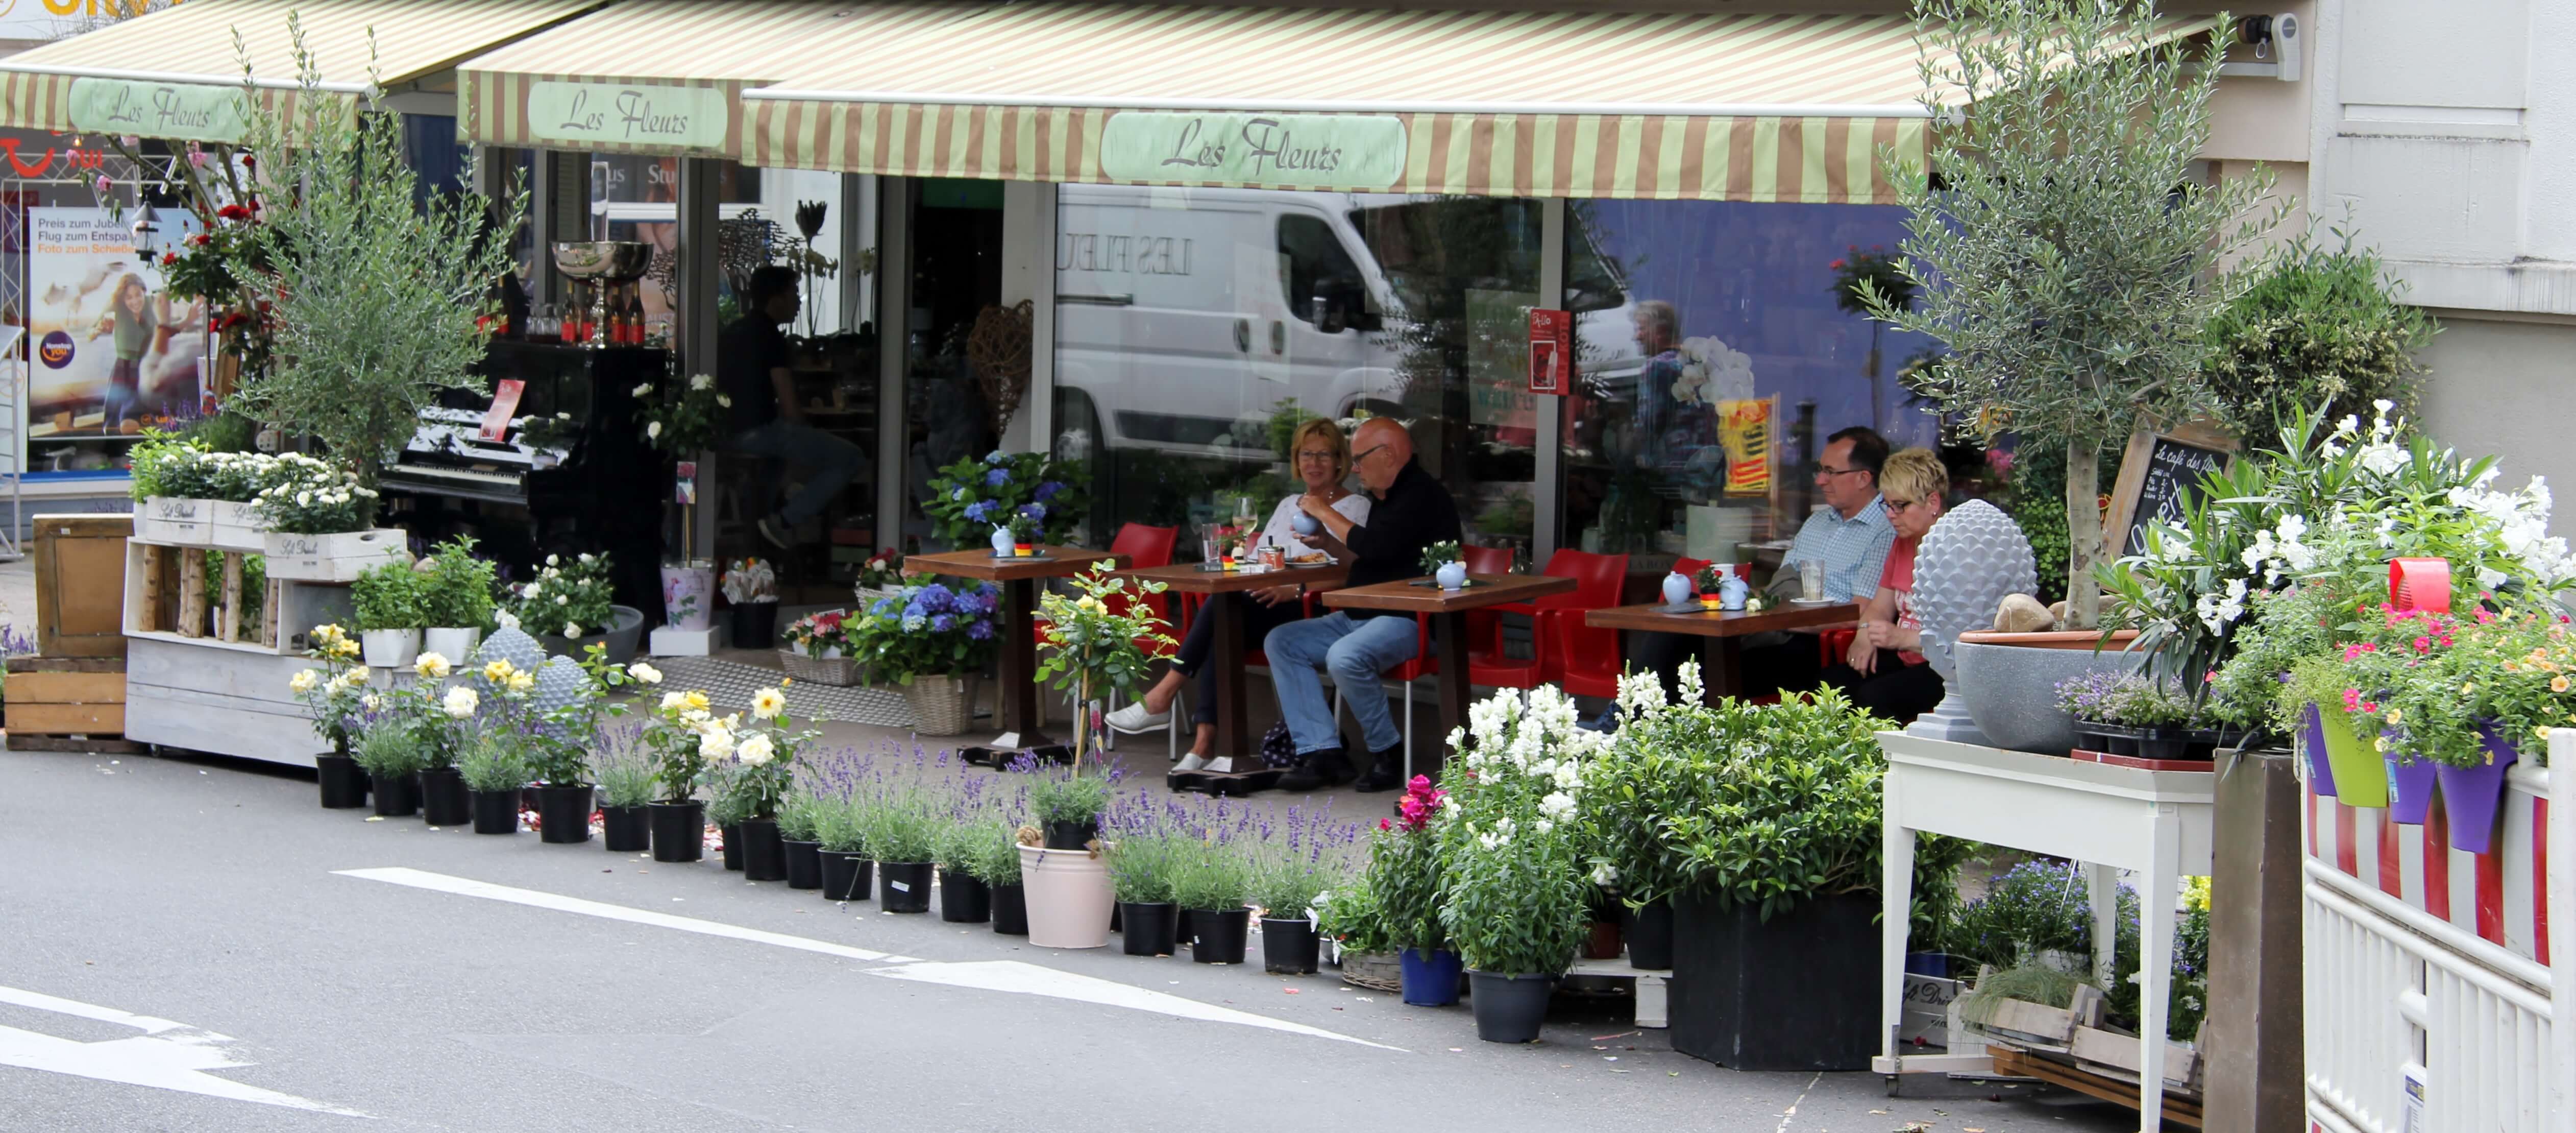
x,y
731,684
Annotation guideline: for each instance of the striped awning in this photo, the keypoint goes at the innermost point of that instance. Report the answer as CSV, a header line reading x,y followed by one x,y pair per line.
x,y
177,73
645,76
1659,105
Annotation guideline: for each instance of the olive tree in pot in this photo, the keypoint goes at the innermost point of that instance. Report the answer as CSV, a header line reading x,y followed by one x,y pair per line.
x,y
1516,898
333,691
1773,823
2072,307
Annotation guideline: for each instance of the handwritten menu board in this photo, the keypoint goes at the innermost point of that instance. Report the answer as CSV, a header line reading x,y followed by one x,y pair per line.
x,y
2160,475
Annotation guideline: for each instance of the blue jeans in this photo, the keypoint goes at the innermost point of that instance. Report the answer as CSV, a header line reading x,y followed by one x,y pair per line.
x,y
1357,651
835,462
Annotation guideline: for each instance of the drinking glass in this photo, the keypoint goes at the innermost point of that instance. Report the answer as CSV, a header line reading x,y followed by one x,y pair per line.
x,y
1811,579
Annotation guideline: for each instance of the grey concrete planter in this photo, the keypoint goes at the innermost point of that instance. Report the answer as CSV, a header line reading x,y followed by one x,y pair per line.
x,y
2010,682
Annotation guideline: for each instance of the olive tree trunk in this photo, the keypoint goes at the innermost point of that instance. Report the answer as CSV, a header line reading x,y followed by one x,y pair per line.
x,y
2083,534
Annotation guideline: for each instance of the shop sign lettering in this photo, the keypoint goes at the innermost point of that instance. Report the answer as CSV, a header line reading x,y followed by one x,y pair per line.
x,y
668,118
195,112
1110,252
1344,151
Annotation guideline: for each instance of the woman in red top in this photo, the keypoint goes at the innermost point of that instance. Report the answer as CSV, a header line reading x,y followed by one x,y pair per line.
x,y
1883,671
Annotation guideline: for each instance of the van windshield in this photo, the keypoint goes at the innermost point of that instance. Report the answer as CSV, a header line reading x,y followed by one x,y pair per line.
x,y
1435,250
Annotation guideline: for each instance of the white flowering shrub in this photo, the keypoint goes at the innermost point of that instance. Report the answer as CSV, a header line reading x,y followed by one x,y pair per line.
x,y
1515,893
305,496
569,597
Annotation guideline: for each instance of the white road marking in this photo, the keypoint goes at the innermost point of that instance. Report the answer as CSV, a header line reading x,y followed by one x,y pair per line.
x,y
167,1056
1019,978
467,887
1009,976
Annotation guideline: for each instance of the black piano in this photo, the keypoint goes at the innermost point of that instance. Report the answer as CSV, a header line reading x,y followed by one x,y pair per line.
x,y
591,484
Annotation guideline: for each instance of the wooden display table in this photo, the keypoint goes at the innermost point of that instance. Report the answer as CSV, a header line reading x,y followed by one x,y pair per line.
x,y
1448,610
1722,633
1017,702
2111,818
1235,756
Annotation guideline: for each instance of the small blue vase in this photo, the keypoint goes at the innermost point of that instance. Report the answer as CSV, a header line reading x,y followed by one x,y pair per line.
x,y
1432,980
1677,588
1732,591
1452,575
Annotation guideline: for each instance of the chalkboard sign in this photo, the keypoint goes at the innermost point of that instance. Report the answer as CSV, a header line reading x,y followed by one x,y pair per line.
x,y
2159,475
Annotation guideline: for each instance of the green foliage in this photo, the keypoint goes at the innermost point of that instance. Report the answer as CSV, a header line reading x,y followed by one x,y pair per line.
x,y
1066,794
378,290
838,825
1351,915
1438,555
493,760
971,497
568,597
728,807
165,465
388,597
225,432
254,591
901,826
996,856
2046,907
2065,253
1099,637
2314,326
392,747
1404,875
1210,874
800,818
459,591
1143,866
961,841
311,497
2037,504
625,770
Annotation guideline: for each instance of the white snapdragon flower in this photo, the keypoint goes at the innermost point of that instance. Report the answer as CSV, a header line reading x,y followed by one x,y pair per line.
x,y
1557,804
1605,875
701,382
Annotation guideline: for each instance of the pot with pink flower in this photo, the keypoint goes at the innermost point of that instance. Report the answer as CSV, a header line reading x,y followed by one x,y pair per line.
x,y
689,595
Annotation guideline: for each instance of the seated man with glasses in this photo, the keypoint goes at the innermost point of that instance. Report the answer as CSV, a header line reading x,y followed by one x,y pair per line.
x,y
1850,535
1412,512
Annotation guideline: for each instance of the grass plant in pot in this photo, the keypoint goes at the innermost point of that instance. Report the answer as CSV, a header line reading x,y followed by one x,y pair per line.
x,y
1142,844
932,640
1212,883
761,754
333,693
964,896
495,767
1290,873
903,835
388,604
677,737
800,829
391,751
1404,875
1516,895
456,600
625,771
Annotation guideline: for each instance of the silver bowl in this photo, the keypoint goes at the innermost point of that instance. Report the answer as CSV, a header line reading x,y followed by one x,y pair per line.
x,y
614,260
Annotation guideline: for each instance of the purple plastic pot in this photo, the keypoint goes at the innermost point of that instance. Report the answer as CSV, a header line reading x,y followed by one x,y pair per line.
x,y
2320,773
2470,794
2410,785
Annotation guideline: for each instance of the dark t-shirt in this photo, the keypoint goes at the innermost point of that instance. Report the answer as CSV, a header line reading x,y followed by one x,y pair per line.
x,y
745,354
1414,513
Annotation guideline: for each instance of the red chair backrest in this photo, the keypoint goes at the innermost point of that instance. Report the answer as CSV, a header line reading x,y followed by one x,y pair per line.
x,y
1145,546
1597,578
1486,560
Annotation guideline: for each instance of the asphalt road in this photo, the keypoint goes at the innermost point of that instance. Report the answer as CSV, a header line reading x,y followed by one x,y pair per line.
x,y
183,947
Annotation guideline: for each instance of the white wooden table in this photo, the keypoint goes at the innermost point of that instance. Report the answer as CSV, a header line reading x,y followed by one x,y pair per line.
x,y
2110,818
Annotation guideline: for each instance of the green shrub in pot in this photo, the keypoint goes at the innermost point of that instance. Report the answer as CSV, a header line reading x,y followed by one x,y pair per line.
x,y
458,594
389,597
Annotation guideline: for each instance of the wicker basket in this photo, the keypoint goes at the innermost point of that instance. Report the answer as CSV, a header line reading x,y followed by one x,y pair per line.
x,y
839,672
1379,971
941,706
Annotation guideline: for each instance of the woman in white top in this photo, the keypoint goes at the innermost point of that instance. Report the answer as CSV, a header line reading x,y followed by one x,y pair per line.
x,y
1323,458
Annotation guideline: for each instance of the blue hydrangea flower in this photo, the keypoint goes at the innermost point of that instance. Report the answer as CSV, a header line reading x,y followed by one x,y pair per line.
x,y
979,631
959,494
995,457
943,623
1047,491
1034,513
884,607
996,478
912,623
934,599
914,611
978,510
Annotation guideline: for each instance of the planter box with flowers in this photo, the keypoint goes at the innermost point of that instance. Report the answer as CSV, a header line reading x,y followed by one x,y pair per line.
x,y
817,649
187,496
320,526
882,576
934,641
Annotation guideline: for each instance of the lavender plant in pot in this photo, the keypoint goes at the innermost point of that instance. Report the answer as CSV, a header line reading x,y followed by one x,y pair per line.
x,y
903,834
964,896
996,863
391,752
495,768
1213,886
1292,867
1141,845
625,771
800,830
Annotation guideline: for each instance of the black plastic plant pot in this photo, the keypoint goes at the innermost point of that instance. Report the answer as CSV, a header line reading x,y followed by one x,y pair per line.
x,y
732,846
804,865
563,813
495,812
1650,936
1730,1001
344,784
396,796
1010,910
764,853
626,829
903,887
1289,947
847,876
679,831
1070,835
1149,928
1219,936
755,625
2164,743
443,798
963,899
1509,1009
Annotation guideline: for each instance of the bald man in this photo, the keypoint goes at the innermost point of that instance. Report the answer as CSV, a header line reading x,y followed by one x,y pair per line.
x,y
1411,513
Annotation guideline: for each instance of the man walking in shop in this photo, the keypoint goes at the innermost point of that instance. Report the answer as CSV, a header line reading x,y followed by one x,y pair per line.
x,y
1412,512
752,369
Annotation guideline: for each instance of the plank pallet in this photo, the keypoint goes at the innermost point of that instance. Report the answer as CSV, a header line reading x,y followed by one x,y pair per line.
x,y
2027,1064
64,697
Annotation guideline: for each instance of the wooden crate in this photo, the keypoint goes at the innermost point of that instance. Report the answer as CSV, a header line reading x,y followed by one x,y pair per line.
x,y
80,575
66,696
166,594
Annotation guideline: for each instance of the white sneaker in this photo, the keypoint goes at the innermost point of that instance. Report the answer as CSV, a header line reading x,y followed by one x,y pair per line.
x,y
1191,761
1133,718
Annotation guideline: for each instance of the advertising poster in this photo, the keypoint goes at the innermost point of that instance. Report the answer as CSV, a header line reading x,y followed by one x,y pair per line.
x,y
109,353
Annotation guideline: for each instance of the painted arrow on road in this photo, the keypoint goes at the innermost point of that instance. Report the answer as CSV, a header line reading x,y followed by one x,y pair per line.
x,y
166,1056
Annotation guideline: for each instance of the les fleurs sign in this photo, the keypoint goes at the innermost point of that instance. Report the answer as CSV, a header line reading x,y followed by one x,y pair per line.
x,y
1342,151
193,112
627,114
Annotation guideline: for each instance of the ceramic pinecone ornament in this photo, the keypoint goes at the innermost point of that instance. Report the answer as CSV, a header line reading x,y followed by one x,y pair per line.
x,y
513,645
560,684
1968,563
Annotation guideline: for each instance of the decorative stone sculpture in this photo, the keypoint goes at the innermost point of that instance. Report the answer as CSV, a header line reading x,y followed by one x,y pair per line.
x,y
1967,564
2022,613
560,684
513,645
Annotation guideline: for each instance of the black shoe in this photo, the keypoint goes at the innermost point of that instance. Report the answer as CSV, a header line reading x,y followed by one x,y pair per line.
x,y
1326,768
1385,773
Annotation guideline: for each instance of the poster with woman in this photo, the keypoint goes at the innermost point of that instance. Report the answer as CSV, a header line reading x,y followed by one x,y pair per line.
x,y
111,354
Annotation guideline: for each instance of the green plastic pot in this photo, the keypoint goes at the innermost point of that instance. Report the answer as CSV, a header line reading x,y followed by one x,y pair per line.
x,y
2360,776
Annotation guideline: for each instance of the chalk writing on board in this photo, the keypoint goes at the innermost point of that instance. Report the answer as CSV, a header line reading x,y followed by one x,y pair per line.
x,y
2172,481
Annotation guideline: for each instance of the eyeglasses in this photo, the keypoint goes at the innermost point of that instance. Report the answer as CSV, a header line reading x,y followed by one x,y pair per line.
x,y
1824,473
1357,457
1895,507
1318,454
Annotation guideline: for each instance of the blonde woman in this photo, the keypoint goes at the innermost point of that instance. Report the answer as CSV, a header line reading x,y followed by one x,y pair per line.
x,y
1883,671
1323,460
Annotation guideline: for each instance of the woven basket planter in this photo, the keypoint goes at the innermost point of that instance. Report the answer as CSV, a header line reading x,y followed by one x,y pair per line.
x,y
839,672
941,706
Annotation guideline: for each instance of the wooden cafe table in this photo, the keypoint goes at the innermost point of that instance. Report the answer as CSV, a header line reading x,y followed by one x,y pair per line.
x,y
1227,644
1722,633
1017,702
1448,610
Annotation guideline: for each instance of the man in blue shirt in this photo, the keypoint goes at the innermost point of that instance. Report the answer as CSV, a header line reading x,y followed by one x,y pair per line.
x,y
1850,535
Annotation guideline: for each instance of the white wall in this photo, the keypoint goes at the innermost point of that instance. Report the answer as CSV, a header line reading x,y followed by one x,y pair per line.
x,y
780,191
2501,387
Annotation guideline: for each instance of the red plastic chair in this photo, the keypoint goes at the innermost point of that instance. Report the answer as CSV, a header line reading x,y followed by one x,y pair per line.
x,y
1485,627
1597,582
1588,661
